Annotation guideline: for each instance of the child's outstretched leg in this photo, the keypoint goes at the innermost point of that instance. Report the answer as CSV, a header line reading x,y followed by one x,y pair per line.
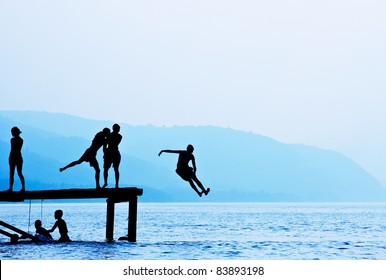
x,y
195,188
199,184
76,162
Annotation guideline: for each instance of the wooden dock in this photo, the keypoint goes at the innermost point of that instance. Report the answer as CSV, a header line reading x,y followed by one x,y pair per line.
x,y
112,195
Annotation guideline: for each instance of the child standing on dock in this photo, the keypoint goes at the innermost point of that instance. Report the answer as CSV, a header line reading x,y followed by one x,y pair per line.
x,y
61,224
112,155
16,159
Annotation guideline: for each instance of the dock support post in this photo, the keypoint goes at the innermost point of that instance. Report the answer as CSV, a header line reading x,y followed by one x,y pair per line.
x,y
132,224
110,220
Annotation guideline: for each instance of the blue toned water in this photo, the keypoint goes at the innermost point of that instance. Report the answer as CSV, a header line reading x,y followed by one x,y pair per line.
x,y
219,231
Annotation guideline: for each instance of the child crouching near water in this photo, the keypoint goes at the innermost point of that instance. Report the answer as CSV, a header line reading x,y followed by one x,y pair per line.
x,y
61,224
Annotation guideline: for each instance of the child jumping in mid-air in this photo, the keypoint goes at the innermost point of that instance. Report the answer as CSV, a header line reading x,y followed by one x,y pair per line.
x,y
186,172
61,224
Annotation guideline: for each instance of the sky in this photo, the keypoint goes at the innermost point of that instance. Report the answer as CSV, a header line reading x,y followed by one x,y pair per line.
x,y
299,71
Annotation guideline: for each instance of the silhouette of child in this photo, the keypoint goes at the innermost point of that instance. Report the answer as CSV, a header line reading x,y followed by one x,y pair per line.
x,y
41,233
91,153
15,158
186,172
61,224
112,155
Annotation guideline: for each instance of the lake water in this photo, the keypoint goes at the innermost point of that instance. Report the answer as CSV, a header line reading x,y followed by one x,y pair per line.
x,y
213,231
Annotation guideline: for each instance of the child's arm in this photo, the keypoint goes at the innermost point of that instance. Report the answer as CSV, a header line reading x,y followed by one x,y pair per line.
x,y
53,228
194,164
169,151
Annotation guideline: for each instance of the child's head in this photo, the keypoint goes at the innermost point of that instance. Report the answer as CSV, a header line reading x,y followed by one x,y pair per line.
x,y
58,214
15,131
38,224
106,131
116,127
190,148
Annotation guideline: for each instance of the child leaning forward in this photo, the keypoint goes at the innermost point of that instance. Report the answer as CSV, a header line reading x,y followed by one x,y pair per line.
x,y
61,224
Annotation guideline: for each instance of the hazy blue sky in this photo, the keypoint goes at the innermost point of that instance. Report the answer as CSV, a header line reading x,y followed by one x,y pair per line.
x,y
311,72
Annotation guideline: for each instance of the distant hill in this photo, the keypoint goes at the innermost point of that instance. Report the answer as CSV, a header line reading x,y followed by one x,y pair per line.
x,y
238,166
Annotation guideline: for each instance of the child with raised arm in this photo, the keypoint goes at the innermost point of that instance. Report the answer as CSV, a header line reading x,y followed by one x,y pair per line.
x,y
61,224
186,172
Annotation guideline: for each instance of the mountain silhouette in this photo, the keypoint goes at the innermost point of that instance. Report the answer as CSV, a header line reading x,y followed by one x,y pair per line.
x,y
236,165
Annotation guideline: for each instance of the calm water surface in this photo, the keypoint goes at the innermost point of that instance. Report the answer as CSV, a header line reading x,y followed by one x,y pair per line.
x,y
219,231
